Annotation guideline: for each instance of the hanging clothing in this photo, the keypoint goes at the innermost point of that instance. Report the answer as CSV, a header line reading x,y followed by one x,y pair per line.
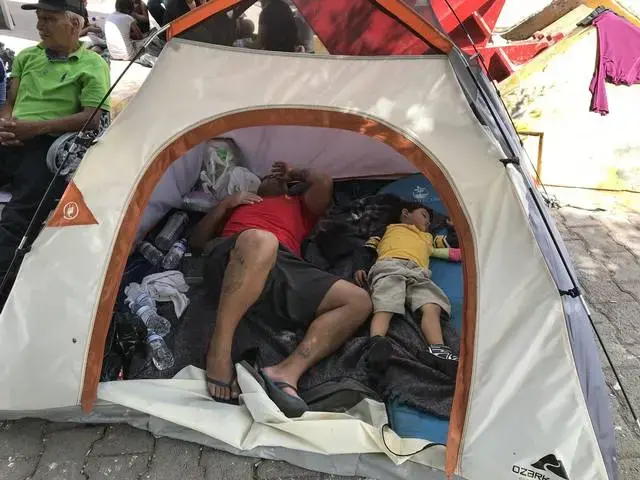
x,y
618,57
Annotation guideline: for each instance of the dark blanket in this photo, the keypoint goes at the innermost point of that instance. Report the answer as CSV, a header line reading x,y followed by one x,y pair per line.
x,y
413,377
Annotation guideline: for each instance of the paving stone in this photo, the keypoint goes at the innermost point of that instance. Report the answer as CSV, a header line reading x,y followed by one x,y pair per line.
x,y
275,470
123,467
633,287
626,234
123,439
59,426
574,217
64,453
21,438
624,266
583,261
17,468
625,317
627,437
630,379
175,459
603,290
598,238
629,469
566,233
224,466
619,354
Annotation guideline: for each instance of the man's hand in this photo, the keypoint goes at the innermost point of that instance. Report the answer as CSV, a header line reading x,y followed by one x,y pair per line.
x,y
242,198
25,130
361,279
93,28
7,136
281,170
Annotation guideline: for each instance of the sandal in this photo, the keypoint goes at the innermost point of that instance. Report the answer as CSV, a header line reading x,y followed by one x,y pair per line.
x,y
229,385
291,406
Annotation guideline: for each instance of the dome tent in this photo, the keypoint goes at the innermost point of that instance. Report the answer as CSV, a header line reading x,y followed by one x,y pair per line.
x,y
529,394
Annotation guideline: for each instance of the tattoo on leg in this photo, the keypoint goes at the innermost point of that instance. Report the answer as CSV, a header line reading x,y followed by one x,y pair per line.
x,y
304,350
234,274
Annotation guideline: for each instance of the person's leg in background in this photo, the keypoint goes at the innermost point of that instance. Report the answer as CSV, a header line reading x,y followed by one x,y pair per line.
x,y
30,179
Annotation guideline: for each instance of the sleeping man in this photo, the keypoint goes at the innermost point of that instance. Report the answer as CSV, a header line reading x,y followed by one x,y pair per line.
x,y
254,262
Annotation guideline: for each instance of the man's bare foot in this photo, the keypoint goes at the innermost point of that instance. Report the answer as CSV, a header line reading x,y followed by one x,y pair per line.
x,y
278,375
221,379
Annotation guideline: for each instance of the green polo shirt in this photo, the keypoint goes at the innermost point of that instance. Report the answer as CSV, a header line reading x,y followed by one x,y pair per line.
x,y
51,89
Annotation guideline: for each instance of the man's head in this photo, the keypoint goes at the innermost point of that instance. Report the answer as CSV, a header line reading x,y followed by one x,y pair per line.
x,y
272,186
59,23
125,6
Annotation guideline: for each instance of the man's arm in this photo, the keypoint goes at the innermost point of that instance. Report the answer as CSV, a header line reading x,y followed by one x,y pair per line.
x,y
22,130
320,192
212,223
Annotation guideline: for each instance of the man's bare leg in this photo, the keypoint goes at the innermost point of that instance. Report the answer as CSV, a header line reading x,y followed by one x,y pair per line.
x,y
250,262
343,310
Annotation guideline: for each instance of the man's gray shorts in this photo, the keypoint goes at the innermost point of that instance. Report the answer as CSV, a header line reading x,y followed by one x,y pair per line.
x,y
396,283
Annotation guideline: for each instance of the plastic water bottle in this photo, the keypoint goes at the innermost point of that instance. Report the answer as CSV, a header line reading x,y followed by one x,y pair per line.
x,y
151,253
144,307
174,256
154,322
160,353
198,202
172,230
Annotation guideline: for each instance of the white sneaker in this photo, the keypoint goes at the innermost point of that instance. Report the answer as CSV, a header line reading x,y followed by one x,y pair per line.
x,y
443,352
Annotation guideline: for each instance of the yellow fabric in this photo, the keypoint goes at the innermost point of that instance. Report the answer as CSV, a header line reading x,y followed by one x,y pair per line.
x,y
406,242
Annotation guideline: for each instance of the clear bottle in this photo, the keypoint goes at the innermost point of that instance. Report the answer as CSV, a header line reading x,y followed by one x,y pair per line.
x,y
174,256
160,353
144,307
151,253
198,202
171,231
154,322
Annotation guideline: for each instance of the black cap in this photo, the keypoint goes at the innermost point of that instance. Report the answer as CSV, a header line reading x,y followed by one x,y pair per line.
x,y
75,6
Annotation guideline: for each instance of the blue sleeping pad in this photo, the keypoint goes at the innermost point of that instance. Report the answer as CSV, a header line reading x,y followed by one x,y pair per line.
x,y
406,421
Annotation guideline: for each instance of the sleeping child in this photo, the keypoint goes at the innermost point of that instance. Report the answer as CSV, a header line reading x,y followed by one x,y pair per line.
x,y
400,276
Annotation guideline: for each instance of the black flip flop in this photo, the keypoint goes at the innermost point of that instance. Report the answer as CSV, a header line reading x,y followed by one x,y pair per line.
x,y
229,385
291,406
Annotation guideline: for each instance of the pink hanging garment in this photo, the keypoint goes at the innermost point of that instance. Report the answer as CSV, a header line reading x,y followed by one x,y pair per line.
x,y
618,58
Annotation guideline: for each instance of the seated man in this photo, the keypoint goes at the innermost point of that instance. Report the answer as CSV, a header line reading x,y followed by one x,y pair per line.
x,y
255,262
124,36
55,88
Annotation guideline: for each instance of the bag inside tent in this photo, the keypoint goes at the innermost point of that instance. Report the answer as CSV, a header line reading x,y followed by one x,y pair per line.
x,y
369,179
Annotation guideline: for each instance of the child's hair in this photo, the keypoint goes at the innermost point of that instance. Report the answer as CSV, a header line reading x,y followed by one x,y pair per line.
x,y
410,207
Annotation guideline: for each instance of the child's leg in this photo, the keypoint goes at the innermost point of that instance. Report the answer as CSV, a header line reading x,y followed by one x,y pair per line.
x,y
380,323
431,324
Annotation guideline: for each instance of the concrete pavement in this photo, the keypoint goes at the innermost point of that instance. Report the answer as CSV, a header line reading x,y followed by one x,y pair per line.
x,y
605,248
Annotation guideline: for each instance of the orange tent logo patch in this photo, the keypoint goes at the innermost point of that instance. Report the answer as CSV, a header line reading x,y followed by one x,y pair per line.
x,y
72,210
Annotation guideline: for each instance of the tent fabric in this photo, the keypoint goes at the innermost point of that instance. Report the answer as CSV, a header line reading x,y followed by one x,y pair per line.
x,y
515,339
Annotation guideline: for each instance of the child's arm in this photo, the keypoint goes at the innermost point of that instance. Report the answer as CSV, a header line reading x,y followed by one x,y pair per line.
x,y
364,258
451,254
446,246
